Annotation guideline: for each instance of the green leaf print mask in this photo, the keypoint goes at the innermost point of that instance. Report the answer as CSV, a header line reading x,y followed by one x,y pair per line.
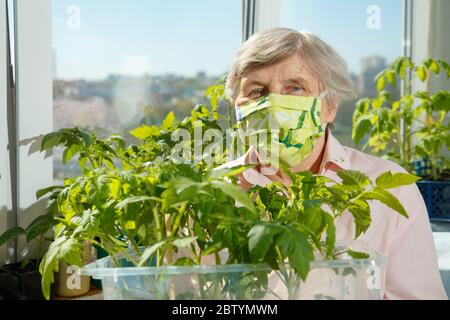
x,y
282,127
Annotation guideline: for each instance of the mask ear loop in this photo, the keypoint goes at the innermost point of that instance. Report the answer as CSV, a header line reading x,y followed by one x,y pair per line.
x,y
322,96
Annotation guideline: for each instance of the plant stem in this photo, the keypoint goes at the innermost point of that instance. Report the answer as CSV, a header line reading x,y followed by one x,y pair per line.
x,y
169,244
159,235
111,254
434,166
91,160
134,245
400,144
230,115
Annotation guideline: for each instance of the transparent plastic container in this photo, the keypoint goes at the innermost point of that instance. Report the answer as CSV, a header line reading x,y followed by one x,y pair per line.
x,y
340,279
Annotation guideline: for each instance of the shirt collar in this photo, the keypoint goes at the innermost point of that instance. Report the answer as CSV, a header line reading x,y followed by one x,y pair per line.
x,y
335,156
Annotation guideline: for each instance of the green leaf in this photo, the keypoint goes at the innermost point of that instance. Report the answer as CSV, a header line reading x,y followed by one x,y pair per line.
x,y
181,184
294,245
353,178
71,252
51,140
228,172
11,234
381,83
313,216
361,129
130,225
308,181
49,265
236,193
183,242
70,152
260,239
390,74
62,249
433,66
42,192
82,161
386,198
144,132
358,254
446,67
168,122
86,138
401,66
40,226
377,103
131,200
360,211
331,234
422,73
184,261
389,181
150,251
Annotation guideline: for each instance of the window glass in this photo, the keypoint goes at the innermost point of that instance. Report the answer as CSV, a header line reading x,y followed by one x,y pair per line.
x,y
367,33
118,64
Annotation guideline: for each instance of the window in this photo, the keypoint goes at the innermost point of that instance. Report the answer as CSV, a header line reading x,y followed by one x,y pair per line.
x,y
367,33
118,64
5,191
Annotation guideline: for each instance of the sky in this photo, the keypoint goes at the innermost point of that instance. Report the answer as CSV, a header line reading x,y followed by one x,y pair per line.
x,y
135,37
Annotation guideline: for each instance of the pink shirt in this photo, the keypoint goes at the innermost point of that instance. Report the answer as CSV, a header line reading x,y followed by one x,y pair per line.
x,y
412,270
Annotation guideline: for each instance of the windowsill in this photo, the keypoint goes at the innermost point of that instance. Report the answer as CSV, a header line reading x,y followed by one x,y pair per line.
x,y
93,294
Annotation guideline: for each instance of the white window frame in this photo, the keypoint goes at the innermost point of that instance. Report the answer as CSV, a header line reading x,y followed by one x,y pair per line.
x,y
34,105
5,181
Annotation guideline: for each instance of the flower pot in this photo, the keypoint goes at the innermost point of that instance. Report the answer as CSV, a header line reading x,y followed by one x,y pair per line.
x,y
437,198
22,282
69,282
345,278
9,287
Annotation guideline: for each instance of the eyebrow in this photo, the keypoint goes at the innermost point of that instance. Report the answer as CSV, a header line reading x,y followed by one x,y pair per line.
x,y
296,79
257,82
252,82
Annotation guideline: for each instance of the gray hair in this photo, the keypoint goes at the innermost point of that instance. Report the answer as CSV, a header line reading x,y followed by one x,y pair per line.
x,y
273,45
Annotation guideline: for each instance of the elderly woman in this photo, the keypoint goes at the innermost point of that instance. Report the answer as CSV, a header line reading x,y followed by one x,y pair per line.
x,y
279,68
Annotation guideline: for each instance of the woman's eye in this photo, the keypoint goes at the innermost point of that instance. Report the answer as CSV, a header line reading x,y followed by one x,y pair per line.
x,y
297,89
255,93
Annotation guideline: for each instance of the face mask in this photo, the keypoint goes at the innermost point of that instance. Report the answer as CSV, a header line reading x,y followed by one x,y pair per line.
x,y
283,128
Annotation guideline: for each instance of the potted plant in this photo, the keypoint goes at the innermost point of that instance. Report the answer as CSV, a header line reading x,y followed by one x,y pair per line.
x,y
413,130
158,218
23,281
161,219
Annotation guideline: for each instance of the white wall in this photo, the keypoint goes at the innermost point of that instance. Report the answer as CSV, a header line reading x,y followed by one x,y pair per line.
x,y
267,14
431,37
34,102
439,38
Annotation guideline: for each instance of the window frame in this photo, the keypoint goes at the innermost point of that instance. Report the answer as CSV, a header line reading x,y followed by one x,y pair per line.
x,y
5,170
31,170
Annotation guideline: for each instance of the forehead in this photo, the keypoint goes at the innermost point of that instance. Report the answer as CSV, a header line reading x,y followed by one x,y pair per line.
x,y
289,68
